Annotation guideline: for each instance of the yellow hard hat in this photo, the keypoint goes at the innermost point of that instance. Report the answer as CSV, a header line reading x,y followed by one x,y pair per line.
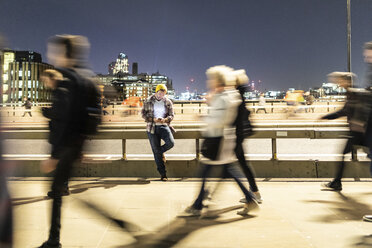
x,y
161,87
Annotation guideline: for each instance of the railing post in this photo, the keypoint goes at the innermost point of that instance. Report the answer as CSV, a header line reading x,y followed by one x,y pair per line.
x,y
328,107
272,107
354,155
181,108
273,149
199,108
124,148
197,149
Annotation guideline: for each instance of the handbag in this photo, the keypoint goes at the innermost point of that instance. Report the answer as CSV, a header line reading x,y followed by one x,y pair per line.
x,y
211,147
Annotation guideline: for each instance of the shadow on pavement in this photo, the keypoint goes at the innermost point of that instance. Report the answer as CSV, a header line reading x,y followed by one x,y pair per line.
x,y
172,233
362,242
168,235
348,208
80,188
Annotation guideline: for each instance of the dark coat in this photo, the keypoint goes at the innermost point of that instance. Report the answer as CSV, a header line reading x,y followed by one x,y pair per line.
x,y
242,119
65,113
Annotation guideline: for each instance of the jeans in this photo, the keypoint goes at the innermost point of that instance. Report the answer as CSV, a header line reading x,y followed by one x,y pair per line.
x,y
161,133
228,170
68,155
239,151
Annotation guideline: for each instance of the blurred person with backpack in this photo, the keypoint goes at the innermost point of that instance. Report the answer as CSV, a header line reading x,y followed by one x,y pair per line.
x,y
79,117
357,110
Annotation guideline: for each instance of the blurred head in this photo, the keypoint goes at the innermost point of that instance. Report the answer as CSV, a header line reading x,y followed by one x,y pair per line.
x,y
161,91
240,77
50,77
368,52
219,77
25,98
343,79
68,51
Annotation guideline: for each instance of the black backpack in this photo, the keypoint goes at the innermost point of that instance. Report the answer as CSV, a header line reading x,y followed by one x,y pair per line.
x,y
91,111
87,110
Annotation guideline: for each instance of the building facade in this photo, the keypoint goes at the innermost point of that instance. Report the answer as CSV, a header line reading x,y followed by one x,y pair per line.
x,y
122,64
141,85
21,77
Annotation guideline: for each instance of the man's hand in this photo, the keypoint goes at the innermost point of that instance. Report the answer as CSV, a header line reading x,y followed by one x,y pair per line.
x,y
161,120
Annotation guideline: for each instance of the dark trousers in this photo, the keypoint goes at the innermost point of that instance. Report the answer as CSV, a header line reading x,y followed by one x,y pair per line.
x,y
239,152
68,155
27,112
229,170
6,214
355,139
161,133
261,109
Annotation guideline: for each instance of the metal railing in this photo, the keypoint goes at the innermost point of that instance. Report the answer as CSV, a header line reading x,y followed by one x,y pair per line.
x,y
194,133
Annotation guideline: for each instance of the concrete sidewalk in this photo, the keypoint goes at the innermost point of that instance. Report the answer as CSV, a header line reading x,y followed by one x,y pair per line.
x,y
293,214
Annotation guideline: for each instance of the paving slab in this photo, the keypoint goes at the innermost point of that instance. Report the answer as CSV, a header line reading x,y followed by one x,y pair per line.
x,y
295,213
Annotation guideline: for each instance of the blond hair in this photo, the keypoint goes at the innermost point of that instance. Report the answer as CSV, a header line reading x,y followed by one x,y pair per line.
x,y
241,77
223,73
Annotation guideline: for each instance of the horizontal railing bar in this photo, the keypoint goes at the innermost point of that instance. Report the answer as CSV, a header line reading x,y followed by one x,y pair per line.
x,y
278,133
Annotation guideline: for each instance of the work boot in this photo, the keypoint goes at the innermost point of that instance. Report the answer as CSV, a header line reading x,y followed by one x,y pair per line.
x,y
164,178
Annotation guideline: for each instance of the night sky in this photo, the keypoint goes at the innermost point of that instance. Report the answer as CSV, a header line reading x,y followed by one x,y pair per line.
x,y
283,43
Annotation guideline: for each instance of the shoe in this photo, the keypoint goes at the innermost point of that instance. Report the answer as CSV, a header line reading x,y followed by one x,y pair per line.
x,y
332,186
164,178
257,197
164,159
367,218
191,211
248,207
46,244
65,192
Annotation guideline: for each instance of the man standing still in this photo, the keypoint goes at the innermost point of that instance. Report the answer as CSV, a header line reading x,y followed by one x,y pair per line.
x,y
158,112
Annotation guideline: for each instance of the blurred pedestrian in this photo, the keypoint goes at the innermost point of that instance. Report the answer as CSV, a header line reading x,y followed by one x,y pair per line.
x,y
6,211
244,130
368,60
27,104
353,105
53,80
105,103
220,136
261,103
78,117
158,112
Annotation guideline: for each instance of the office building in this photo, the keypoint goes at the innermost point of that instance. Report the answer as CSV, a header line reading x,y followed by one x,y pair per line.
x,y
121,65
21,74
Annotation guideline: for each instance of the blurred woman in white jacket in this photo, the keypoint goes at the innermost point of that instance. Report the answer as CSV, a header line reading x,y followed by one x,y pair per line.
x,y
223,103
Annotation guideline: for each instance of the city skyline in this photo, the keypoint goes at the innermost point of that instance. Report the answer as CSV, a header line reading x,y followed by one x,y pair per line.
x,y
282,43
